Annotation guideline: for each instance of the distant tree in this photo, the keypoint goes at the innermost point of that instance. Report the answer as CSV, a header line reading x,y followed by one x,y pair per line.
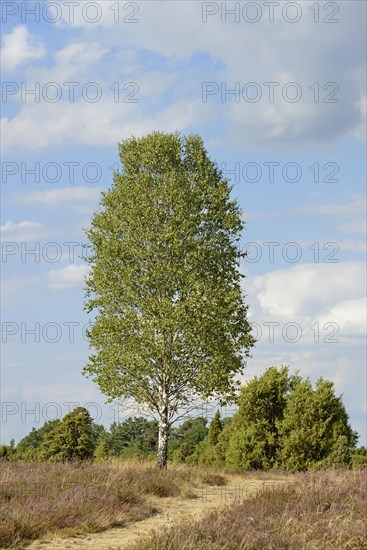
x,y
182,452
71,440
359,457
315,430
149,440
253,438
215,429
221,447
134,435
186,437
206,453
171,320
99,434
28,447
102,451
5,452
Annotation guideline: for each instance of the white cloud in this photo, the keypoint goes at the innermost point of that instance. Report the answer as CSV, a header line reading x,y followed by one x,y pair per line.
x,y
307,290
22,231
55,197
19,48
81,54
72,63
350,316
85,123
226,45
71,276
183,34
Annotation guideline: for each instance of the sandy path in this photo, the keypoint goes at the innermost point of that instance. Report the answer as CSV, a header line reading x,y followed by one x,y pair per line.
x,y
171,510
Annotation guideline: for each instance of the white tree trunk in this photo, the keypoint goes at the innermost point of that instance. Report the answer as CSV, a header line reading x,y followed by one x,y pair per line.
x,y
163,432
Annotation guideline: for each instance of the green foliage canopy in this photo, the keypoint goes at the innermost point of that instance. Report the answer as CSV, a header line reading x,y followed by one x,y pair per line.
x,y
171,321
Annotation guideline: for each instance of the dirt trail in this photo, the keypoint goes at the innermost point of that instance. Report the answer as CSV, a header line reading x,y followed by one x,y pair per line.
x,y
171,509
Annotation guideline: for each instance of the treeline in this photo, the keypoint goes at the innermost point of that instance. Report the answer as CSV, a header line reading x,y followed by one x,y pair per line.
x,y
282,422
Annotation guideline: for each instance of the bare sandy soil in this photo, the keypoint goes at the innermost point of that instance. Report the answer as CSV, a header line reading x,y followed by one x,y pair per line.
x,y
171,510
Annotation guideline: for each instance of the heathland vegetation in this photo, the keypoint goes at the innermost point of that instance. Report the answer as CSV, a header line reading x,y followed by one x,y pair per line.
x,y
73,476
38,499
315,509
325,510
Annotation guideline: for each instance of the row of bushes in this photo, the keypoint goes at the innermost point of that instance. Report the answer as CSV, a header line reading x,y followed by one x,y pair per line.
x,y
282,422
77,437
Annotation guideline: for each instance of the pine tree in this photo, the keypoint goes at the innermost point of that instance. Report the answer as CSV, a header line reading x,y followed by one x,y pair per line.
x,y
206,454
215,429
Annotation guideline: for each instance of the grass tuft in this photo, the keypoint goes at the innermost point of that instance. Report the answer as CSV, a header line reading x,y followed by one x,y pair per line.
x,y
214,479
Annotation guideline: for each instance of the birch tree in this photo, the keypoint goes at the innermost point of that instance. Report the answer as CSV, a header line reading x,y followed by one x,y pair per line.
x,y
164,281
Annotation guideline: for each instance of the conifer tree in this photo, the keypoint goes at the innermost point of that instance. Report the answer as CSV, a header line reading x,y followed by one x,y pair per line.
x,y
72,439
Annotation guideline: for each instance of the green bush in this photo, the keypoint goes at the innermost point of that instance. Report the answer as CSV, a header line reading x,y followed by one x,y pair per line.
x,y
71,440
285,422
359,457
315,431
101,452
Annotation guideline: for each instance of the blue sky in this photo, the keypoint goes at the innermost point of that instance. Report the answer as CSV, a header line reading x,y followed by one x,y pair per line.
x,y
279,98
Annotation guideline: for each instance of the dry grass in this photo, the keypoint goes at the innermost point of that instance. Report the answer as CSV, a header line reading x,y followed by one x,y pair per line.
x,y
37,500
320,510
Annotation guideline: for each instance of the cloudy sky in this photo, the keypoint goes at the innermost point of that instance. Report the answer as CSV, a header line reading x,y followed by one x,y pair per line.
x,y
278,92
